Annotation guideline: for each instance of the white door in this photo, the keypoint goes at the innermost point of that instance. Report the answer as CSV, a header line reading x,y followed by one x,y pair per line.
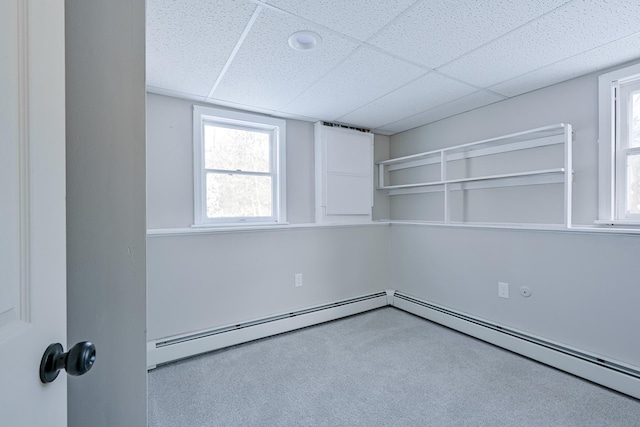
x,y
32,209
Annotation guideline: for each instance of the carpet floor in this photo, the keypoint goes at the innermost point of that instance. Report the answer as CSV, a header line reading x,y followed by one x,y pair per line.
x,y
381,368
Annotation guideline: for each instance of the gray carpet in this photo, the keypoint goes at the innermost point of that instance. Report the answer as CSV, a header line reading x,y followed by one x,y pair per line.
x,y
381,368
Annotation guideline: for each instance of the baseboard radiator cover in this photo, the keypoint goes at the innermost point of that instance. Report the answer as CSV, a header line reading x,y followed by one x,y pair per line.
x,y
612,374
167,350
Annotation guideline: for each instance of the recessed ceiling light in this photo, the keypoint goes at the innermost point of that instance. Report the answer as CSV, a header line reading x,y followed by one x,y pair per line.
x,y
304,40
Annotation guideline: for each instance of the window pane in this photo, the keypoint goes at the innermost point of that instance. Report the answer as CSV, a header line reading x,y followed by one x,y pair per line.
x,y
634,138
233,196
236,149
633,184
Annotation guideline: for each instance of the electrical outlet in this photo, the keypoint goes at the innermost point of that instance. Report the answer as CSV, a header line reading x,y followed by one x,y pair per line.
x,y
503,290
298,280
525,291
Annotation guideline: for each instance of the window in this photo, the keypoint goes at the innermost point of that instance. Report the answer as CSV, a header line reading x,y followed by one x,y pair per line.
x,y
619,146
239,172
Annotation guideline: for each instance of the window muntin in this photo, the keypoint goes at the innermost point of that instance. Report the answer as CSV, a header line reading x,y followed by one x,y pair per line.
x,y
239,172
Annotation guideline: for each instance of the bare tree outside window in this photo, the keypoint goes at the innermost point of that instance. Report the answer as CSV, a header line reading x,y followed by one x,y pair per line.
x,y
633,160
634,141
633,184
238,180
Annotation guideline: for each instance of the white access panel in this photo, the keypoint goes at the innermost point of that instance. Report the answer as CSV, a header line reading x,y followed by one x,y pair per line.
x,y
348,152
344,174
348,195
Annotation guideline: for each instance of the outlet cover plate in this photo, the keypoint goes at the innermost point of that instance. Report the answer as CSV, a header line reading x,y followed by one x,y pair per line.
x,y
503,290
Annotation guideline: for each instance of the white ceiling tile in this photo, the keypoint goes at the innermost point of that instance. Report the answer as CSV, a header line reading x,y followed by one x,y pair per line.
x,y
267,73
356,18
600,58
363,77
575,28
188,43
460,105
510,46
438,31
420,95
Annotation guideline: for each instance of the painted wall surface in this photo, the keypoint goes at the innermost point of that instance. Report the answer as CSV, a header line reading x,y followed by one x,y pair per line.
x,y
170,166
198,282
206,280
584,286
574,102
106,295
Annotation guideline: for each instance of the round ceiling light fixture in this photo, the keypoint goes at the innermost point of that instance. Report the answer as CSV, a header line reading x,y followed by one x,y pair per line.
x,y
304,40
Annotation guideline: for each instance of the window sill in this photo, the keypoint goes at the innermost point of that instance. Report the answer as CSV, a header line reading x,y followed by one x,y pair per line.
x,y
617,222
553,228
234,225
194,230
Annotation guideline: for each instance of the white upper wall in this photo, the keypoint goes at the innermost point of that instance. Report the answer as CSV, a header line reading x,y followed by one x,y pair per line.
x,y
170,166
574,101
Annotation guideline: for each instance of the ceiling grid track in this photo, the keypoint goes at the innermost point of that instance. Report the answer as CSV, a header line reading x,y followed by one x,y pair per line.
x,y
306,21
316,81
503,35
360,44
386,66
437,107
237,47
559,62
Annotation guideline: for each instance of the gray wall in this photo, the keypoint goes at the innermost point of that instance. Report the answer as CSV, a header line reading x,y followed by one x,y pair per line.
x,y
201,281
584,286
574,102
105,86
170,166
204,281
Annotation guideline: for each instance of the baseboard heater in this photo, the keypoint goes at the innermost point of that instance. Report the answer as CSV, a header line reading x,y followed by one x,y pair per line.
x,y
179,347
609,373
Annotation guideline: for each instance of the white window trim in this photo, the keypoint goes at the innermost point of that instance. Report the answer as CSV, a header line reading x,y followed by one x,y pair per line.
x,y
278,158
608,126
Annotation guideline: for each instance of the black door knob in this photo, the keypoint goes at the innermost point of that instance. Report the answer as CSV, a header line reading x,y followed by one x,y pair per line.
x,y
76,361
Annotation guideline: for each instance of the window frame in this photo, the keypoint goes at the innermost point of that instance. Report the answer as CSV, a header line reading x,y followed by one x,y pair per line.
x,y
276,128
612,151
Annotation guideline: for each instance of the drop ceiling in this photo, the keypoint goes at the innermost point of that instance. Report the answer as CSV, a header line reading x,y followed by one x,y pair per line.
x,y
386,65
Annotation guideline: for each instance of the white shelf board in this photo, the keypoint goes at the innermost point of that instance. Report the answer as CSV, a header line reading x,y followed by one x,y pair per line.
x,y
419,184
419,156
560,134
544,179
482,151
583,229
508,175
539,133
546,131
555,171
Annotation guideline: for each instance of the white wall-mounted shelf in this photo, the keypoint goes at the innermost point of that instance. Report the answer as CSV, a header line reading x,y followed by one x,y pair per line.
x,y
558,134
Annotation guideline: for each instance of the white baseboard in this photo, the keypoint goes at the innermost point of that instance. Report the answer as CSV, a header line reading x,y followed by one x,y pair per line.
x,y
612,374
168,350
